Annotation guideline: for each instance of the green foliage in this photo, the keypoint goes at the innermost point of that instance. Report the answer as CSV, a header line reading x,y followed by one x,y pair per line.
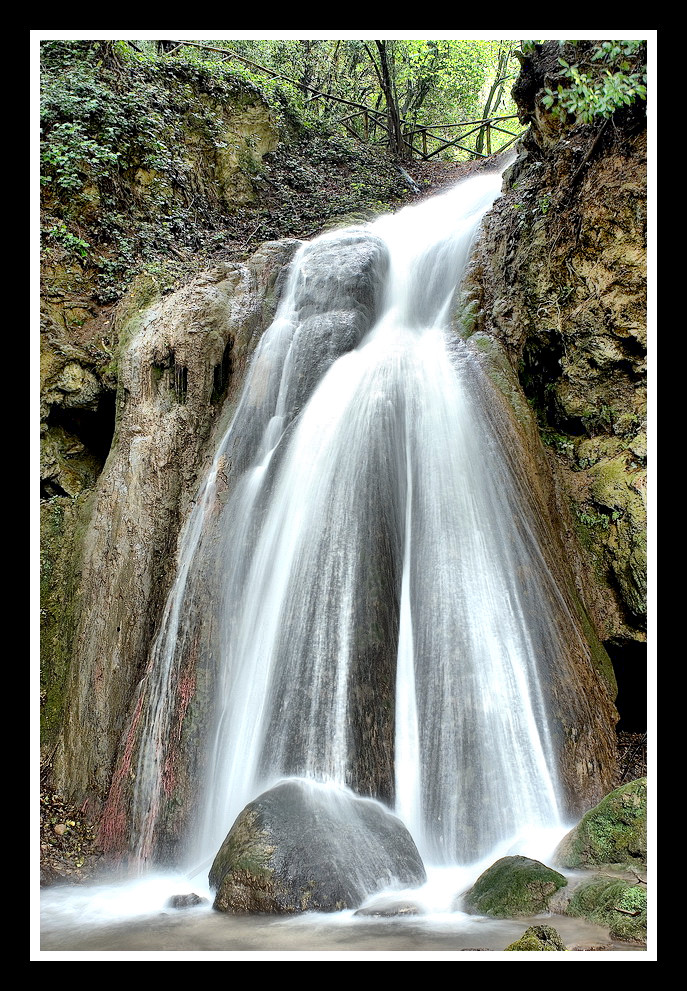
x,y
613,76
115,124
72,242
71,155
97,121
120,189
600,420
435,82
528,47
600,520
617,903
444,78
559,442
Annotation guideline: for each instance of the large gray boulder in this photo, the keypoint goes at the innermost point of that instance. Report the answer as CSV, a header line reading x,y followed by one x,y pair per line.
x,y
337,300
301,846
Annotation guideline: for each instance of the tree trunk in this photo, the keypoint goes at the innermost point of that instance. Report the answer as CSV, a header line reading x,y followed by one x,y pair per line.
x,y
494,98
396,143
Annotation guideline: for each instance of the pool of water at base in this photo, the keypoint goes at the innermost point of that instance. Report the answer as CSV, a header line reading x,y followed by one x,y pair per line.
x,y
70,927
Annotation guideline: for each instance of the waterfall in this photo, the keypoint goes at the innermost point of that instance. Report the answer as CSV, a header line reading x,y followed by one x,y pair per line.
x,y
361,570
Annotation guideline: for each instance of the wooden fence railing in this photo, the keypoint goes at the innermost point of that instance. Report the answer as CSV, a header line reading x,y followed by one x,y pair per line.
x,y
373,119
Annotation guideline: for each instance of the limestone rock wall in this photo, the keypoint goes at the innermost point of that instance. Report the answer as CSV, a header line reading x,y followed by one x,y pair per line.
x,y
181,357
171,189
133,396
558,293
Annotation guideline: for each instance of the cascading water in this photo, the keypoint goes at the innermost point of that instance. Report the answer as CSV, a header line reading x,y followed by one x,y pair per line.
x,y
379,608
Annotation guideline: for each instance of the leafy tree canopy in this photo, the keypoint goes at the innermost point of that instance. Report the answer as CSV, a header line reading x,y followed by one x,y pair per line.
x,y
434,82
609,75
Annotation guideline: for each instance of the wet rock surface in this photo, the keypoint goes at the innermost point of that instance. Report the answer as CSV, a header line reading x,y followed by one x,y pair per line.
x,y
186,901
300,847
601,469
559,281
172,360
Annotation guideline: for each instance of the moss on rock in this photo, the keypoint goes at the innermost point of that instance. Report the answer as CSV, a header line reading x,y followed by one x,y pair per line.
x,y
613,832
513,887
494,361
67,466
614,902
539,938
243,873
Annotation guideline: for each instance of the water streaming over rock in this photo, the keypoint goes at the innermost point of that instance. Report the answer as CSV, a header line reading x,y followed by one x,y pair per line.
x,y
360,584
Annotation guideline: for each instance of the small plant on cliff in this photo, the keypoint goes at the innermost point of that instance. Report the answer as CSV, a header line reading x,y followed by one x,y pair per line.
x,y
60,234
612,75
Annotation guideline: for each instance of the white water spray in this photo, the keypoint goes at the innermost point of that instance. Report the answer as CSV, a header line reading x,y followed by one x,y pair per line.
x,y
381,608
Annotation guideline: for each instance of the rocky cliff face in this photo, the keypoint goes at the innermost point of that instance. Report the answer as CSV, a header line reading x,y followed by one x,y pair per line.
x,y
558,291
142,164
134,394
198,170
181,357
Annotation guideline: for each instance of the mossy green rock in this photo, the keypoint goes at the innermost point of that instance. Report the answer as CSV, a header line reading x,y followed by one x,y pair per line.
x,y
613,832
512,887
614,902
539,938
